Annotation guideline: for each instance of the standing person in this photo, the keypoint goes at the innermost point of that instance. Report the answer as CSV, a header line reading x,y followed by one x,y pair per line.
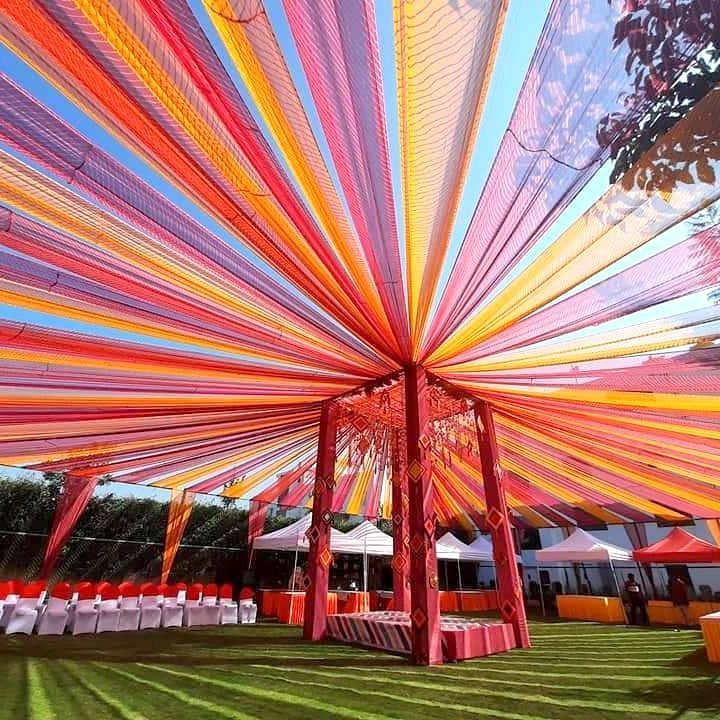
x,y
636,600
680,598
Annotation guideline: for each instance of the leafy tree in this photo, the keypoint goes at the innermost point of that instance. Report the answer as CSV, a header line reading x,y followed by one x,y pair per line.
x,y
658,34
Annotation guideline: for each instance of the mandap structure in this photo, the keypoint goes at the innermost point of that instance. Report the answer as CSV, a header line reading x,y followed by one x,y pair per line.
x,y
234,264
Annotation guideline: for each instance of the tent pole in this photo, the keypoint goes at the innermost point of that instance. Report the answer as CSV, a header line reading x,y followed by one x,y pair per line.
x,y
365,572
459,576
292,580
617,586
542,594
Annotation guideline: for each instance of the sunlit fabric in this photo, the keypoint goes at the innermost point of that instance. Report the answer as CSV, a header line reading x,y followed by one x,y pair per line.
x,y
179,511
272,222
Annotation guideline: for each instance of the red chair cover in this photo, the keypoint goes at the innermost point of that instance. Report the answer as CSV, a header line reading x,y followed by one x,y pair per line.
x,y
150,589
86,590
4,589
108,591
226,591
181,586
194,592
33,589
128,589
211,590
163,589
62,591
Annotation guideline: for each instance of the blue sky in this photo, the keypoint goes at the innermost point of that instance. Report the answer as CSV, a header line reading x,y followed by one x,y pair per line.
x,y
522,28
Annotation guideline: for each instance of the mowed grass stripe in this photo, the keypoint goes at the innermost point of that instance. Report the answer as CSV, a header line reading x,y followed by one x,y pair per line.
x,y
308,703
482,693
433,704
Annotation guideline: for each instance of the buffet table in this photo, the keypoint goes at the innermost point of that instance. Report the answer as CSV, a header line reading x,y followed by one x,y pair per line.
x,y
468,600
663,612
291,607
710,625
352,601
591,607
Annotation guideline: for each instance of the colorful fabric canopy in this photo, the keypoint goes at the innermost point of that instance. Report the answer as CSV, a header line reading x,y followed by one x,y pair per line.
x,y
176,301
679,547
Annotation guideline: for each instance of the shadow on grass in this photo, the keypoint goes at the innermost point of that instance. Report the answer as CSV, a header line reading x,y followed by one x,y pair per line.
x,y
192,648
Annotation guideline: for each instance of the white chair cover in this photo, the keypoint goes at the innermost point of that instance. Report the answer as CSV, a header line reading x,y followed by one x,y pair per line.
x,y
151,611
108,616
172,613
83,618
211,610
129,614
54,618
8,606
194,613
248,611
23,616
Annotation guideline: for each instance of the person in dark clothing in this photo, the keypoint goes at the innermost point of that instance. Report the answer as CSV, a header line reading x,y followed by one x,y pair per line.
x,y
680,598
635,600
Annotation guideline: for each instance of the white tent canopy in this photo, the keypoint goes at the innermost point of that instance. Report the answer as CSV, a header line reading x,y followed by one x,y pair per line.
x,y
450,548
482,545
581,546
373,541
292,538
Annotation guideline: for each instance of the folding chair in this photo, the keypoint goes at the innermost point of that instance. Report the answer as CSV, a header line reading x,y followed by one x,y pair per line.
x,y
150,607
228,607
55,617
109,609
13,590
193,612
172,612
129,606
84,614
248,608
25,613
210,605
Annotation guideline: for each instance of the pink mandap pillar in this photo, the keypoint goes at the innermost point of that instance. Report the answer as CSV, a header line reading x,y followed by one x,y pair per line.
x,y
510,596
320,556
424,598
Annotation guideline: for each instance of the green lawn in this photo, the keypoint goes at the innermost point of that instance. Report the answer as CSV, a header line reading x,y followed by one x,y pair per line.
x,y
575,670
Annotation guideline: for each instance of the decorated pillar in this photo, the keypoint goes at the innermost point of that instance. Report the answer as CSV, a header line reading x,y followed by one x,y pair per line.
x,y
318,533
424,598
510,596
401,533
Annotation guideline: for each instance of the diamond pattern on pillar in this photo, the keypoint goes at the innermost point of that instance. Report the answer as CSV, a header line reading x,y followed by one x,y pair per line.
x,y
508,610
360,423
418,617
328,481
495,518
306,582
399,562
312,534
424,441
415,470
397,519
325,557
417,544
429,526
327,517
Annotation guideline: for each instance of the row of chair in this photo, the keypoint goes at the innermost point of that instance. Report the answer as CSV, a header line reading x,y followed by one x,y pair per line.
x,y
106,607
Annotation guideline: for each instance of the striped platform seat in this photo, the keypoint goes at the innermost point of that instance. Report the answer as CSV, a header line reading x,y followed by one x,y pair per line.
x,y
462,638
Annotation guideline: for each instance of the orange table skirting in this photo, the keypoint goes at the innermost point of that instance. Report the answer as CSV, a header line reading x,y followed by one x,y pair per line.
x,y
291,607
268,602
663,612
352,602
590,607
468,600
710,625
